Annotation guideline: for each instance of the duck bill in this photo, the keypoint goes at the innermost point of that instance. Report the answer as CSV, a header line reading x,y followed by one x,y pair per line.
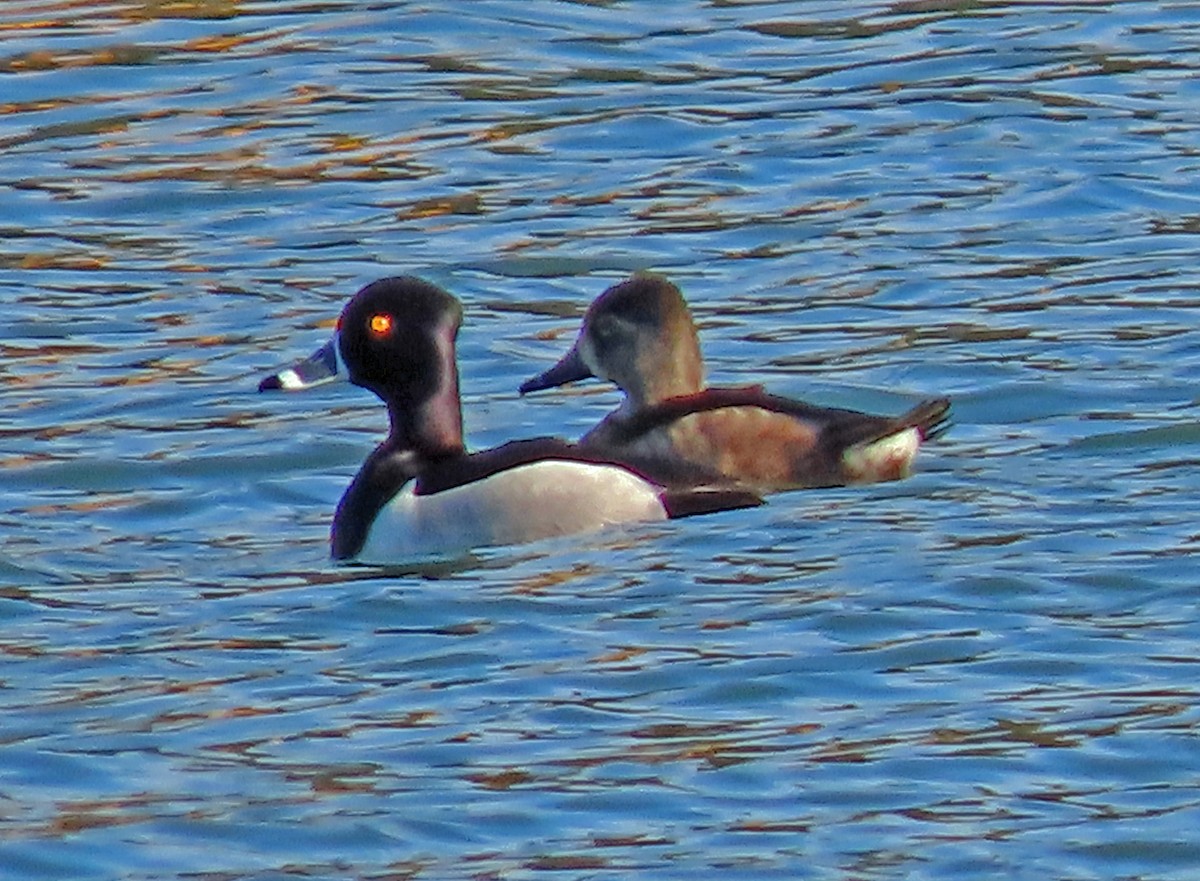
x,y
570,368
323,365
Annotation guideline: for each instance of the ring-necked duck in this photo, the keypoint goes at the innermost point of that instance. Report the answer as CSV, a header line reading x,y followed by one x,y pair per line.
x,y
420,494
640,335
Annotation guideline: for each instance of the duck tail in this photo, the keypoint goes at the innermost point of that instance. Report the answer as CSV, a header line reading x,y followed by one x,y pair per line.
x,y
931,418
889,454
692,501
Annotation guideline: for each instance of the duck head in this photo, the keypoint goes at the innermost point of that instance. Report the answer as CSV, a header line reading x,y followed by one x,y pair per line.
x,y
396,338
639,335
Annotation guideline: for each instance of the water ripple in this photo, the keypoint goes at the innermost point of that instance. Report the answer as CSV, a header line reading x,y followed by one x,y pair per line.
x,y
986,670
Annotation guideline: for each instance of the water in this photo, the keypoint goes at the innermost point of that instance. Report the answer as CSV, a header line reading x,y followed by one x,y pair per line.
x,y
985,671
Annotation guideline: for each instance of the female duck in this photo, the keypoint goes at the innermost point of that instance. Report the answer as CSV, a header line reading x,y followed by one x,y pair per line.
x,y
420,494
639,334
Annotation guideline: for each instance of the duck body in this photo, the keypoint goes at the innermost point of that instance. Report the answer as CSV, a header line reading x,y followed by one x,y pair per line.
x,y
640,335
770,445
548,494
420,494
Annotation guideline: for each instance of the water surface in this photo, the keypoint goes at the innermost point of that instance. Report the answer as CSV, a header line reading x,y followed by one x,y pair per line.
x,y
987,670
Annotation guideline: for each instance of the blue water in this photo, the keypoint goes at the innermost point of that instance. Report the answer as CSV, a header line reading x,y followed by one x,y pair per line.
x,y
987,670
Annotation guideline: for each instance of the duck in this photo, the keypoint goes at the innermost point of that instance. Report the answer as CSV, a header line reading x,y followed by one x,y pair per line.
x,y
639,334
420,494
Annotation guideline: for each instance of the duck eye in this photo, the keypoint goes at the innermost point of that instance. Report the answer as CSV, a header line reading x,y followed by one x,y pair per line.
x,y
381,324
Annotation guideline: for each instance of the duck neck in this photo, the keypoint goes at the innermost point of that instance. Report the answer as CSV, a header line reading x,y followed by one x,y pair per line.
x,y
430,422
433,430
673,371
431,427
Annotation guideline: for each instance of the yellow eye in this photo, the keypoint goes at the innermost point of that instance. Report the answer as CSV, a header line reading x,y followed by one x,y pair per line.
x,y
381,324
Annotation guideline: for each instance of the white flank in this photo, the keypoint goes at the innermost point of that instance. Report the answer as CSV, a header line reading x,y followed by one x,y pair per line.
x,y
885,459
527,503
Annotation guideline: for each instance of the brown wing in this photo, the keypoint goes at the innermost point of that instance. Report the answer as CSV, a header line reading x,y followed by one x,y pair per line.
x,y
760,439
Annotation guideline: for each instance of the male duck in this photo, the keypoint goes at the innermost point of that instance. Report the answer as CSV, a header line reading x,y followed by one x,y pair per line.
x,y
420,494
639,334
